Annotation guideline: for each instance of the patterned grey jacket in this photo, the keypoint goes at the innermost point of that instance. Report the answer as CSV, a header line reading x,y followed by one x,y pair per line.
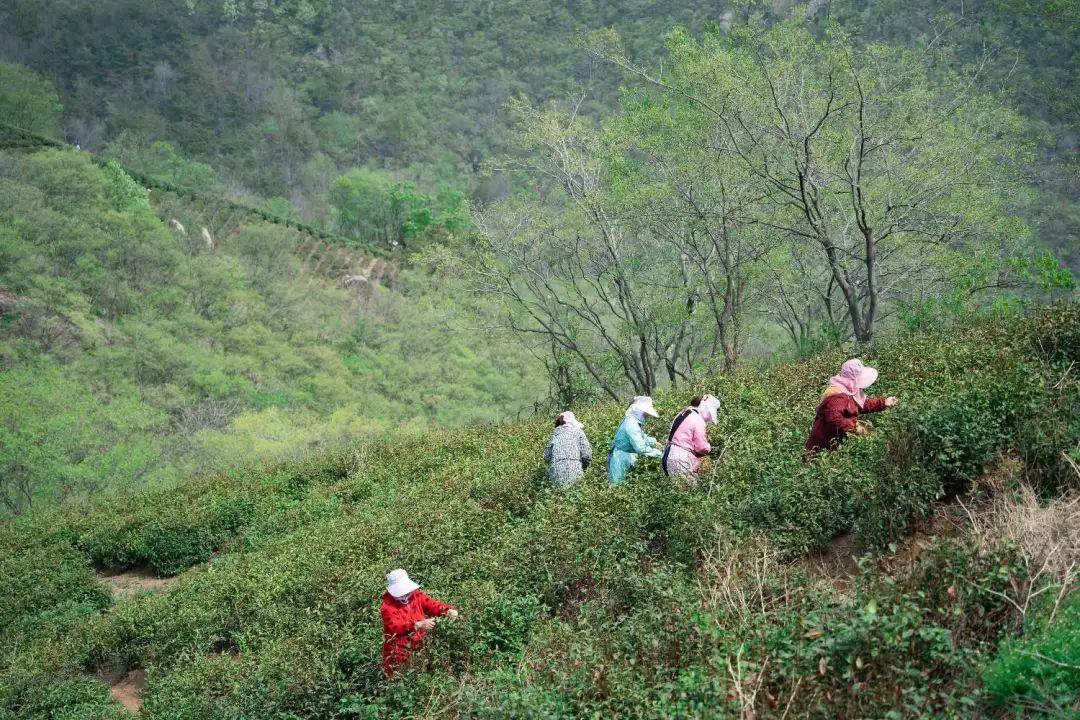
x,y
567,454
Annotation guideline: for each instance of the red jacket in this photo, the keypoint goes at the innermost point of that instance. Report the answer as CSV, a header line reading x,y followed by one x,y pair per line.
x,y
400,637
836,416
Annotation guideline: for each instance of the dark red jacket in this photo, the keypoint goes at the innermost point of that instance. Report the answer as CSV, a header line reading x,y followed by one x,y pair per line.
x,y
836,417
400,636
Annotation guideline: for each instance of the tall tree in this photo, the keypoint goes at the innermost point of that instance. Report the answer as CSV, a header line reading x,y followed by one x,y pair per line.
x,y
27,100
699,205
574,271
899,181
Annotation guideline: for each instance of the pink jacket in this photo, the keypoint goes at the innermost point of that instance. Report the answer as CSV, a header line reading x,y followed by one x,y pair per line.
x,y
691,436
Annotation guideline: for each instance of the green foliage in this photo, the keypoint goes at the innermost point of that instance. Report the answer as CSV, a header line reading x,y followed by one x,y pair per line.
x,y
1038,675
55,576
963,433
642,600
855,184
161,161
373,207
904,645
280,99
280,207
284,97
28,101
122,192
134,354
1026,51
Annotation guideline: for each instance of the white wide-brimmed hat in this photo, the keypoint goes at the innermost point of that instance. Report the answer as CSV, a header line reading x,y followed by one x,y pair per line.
x,y
399,584
643,404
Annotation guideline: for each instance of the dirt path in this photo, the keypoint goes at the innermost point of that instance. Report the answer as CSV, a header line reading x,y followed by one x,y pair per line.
x,y
132,582
126,687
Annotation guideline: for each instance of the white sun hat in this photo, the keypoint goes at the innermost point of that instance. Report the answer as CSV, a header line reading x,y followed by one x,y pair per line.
x,y
644,404
399,584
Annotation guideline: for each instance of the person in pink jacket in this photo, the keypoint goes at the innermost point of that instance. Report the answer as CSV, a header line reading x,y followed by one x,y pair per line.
x,y
688,441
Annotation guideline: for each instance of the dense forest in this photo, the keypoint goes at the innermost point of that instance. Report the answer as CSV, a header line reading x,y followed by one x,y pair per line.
x,y
282,98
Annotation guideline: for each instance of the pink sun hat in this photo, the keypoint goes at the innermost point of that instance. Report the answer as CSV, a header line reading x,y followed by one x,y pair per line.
x,y
854,377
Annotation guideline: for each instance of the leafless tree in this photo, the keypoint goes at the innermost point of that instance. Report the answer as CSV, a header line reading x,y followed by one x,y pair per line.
x,y
578,274
703,207
17,489
896,179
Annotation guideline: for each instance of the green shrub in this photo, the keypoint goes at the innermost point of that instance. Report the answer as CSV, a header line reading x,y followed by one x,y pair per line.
x,y
644,600
959,436
42,577
1039,674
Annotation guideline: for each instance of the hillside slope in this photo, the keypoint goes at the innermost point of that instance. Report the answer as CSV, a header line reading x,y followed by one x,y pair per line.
x,y
641,601
283,97
144,338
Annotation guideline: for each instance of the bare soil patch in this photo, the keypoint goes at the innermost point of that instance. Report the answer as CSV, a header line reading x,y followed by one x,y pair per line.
x,y
130,583
125,686
128,692
839,562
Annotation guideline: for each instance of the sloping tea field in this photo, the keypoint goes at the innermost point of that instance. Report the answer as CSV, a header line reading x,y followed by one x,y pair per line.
x,y
638,601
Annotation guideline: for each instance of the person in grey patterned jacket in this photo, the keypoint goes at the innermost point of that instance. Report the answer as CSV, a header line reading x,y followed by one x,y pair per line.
x,y
568,452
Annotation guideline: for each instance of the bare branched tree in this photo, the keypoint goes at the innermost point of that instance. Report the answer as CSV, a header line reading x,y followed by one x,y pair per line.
x,y
17,487
896,179
573,270
701,206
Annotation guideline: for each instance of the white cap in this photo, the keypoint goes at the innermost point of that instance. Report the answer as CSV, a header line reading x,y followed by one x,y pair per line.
x,y
643,404
399,584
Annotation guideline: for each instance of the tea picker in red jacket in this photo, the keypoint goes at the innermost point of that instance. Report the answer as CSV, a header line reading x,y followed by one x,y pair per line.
x,y
841,405
407,614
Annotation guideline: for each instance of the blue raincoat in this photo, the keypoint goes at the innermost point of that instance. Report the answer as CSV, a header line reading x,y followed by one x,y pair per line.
x,y
630,441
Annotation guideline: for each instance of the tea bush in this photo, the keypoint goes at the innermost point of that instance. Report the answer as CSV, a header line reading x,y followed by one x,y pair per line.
x,y
1039,675
645,600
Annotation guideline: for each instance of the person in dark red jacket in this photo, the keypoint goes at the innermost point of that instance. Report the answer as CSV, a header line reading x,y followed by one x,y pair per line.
x,y
407,615
844,400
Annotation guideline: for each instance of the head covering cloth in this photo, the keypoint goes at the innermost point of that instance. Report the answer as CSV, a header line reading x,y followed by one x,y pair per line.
x,y
709,409
568,418
641,406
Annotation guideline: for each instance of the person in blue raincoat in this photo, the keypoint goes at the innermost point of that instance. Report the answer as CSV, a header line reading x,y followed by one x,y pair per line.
x,y
631,440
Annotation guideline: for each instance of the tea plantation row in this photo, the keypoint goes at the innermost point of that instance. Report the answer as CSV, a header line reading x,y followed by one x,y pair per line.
x,y
639,601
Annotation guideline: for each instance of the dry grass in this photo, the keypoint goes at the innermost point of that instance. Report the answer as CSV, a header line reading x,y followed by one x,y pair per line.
x,y
740,581
1046,536
744,580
